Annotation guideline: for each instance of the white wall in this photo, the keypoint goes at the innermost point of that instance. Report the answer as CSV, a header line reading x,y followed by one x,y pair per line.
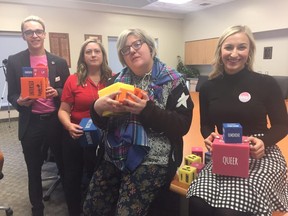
x,y
80,22
268,19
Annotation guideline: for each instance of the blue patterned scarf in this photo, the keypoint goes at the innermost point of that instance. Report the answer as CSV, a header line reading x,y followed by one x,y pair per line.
x,y
127,143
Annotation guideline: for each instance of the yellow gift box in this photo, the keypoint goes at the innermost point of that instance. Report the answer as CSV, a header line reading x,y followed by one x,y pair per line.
x,y
187,174
115,87
192,158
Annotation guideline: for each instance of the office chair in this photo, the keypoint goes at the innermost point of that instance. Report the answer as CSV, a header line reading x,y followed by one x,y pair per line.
x,y
55,178
283,84
7,209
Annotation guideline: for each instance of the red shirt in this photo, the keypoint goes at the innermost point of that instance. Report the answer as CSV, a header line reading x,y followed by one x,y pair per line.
x,y
80,97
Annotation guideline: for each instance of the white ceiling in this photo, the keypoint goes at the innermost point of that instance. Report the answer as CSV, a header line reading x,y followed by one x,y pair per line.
x,y
154,5
142,5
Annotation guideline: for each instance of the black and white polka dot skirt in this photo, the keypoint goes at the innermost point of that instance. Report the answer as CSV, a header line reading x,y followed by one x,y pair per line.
x,y
265,191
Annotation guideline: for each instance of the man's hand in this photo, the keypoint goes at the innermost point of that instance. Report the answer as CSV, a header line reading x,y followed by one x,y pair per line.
x,y
25,101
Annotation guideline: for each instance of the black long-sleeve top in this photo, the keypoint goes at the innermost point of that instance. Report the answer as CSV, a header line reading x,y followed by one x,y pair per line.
x,y
247,98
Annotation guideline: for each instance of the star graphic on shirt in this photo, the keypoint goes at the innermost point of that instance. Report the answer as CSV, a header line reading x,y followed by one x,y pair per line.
x,y
182,100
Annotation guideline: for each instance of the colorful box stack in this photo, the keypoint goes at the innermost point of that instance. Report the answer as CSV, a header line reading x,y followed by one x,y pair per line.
x,y
34,82
231,159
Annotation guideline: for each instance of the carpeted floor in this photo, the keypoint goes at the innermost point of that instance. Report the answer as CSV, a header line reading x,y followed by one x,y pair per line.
x,y
14,185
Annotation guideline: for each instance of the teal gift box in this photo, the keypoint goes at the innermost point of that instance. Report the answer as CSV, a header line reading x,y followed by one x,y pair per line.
x,y
91,134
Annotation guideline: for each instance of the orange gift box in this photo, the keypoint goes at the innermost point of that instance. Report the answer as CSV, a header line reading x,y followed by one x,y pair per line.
x,y
33,87
124,94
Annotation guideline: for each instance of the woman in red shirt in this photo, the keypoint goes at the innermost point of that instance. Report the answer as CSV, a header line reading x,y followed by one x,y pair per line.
x,y
80,90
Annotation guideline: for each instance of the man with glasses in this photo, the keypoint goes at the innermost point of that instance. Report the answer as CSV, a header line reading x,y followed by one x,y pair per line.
x,y
39,127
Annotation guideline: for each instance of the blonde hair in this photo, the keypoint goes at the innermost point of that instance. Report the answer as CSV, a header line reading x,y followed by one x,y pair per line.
x,y
217,63
32,18
82,71
142,35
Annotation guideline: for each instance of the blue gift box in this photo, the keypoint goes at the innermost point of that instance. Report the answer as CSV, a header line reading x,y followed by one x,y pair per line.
x,y
27,72
92,134
232,133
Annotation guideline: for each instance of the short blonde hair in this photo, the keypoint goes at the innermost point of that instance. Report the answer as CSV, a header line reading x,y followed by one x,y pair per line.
x,y
32,18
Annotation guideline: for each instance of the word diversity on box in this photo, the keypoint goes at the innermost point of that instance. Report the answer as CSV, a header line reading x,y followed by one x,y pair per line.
x,y
124,89
92,134
34,82
231,158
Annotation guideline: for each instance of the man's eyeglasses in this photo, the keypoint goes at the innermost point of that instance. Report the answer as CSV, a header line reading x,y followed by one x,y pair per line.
x,y
30,33
136,45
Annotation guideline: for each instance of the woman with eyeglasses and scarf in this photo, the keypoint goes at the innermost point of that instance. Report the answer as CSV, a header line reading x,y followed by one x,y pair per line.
x,y
142,145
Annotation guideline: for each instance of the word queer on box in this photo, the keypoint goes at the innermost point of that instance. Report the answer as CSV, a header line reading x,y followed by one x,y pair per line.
x,y
230,155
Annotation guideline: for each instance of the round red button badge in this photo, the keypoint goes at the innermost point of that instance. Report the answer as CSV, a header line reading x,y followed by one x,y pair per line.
x,y
244,97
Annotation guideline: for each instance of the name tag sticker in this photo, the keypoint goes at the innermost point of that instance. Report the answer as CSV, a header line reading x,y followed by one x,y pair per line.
x,y
57,79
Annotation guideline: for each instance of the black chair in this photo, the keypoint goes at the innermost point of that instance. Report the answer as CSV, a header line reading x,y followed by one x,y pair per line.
x,y
283,84
7,209
201,80
55,178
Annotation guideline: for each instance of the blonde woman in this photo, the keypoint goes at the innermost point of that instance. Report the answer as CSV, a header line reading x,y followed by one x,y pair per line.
x,y
235,93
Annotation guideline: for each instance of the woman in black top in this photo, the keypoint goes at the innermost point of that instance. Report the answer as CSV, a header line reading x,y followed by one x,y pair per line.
x,y
235,93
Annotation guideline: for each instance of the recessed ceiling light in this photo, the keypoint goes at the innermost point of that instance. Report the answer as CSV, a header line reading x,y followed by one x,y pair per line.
x,y
175,1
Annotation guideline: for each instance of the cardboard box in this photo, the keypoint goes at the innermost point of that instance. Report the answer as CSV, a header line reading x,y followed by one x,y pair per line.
x,y
92,134
230,159
33,87
232,133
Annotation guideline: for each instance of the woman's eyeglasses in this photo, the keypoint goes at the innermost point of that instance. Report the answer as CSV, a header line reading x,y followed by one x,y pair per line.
x,y
30,33
136,45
